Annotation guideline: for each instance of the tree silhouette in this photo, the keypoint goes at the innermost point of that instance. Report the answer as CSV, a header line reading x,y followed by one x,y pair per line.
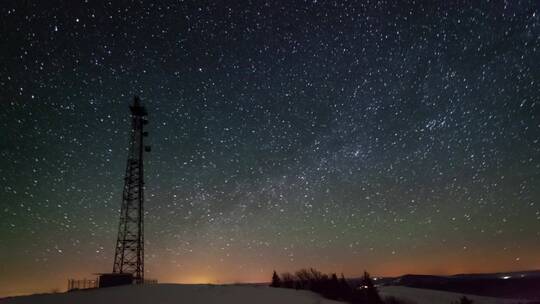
x,y
276,281
367,292
287,280
371,291
333,287
344,288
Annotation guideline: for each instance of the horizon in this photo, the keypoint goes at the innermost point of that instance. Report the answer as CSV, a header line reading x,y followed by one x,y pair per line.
x,y
199,281
202,280
345,136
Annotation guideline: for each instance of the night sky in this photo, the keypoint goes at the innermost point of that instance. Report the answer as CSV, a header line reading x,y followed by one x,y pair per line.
x,y
381,135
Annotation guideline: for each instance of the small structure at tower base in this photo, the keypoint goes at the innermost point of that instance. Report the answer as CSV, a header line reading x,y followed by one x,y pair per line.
x,y
115,279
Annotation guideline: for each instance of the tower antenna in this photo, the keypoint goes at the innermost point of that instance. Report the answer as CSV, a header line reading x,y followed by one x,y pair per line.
x,y
129,254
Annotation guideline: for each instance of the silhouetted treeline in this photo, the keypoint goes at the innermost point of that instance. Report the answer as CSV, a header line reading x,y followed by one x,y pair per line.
x,y
330,286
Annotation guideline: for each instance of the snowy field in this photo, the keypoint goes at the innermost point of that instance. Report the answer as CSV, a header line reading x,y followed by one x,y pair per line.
x,y
177,294
428,296
232,294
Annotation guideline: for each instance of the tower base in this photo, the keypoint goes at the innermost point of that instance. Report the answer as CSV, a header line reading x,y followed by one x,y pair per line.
x,y
115,279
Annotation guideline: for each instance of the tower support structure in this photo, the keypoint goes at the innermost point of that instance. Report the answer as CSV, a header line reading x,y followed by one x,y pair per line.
x,y
129,253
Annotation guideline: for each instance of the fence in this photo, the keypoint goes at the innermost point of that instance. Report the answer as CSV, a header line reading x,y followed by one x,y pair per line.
x,y
86,284
81,284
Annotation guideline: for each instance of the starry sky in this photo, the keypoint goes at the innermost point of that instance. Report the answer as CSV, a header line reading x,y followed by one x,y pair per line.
x,y
393,136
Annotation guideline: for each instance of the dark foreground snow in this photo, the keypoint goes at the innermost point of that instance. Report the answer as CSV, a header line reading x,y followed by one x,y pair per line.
x,y
177,294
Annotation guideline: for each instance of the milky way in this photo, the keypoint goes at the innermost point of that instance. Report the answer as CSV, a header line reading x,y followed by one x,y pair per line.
x,y
384,136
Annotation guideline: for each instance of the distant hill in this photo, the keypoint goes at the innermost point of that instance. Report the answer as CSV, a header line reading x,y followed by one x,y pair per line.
x,y
521,285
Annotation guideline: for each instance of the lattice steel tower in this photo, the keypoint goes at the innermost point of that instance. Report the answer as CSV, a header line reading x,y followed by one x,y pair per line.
x,y
129,256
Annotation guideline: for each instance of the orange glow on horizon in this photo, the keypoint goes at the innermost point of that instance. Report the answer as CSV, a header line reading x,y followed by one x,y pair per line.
x,y
197,280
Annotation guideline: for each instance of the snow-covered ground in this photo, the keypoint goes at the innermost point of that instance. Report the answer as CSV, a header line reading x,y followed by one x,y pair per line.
x,y
178,294
428,296
232,294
